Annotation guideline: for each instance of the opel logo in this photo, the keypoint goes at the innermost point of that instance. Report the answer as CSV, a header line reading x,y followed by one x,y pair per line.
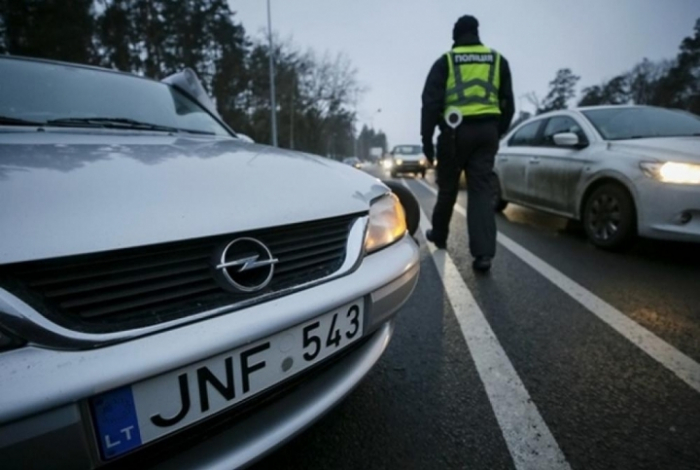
x,y
245,265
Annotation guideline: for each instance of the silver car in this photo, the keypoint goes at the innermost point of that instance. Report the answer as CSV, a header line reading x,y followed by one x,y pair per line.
x,y
621,170
408,159
169,295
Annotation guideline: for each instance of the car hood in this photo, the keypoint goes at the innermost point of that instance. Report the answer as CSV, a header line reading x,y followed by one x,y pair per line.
x,y
65,193
685,149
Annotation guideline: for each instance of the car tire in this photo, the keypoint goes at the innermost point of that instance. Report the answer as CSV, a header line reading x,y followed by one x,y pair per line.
x,y
499,205
609,217
422,174
409,203
394,174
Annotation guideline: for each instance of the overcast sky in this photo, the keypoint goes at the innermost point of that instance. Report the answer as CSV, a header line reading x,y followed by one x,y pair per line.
x,y
393,43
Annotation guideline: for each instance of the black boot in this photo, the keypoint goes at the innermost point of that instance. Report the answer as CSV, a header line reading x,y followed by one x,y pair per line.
x,y
482,264
440,245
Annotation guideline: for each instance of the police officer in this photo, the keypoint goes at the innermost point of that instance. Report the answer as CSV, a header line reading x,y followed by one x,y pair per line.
x,y
469,96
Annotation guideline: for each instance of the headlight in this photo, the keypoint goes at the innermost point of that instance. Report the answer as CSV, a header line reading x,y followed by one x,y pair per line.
x,y
399,161
423,162
388,163
672,172
387,223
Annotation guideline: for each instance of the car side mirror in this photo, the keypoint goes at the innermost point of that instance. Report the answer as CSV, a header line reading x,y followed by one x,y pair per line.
x,y
245,138
566,139
188,82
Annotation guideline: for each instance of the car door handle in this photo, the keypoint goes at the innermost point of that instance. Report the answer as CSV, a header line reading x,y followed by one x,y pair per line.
x,y
502,159
534,161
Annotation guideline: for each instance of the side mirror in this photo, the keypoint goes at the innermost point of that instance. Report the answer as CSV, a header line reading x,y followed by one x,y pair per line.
x,y
188,82
566,139
245,138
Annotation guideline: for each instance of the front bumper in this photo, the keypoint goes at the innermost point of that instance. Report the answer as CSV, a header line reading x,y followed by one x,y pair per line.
x,y
409,167
43,393
668,212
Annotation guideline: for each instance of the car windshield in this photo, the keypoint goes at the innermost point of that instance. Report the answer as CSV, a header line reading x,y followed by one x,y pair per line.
x,y
42,92
636,123
407,150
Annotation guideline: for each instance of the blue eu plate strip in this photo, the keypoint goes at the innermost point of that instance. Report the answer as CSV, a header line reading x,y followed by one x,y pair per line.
x,y
116,423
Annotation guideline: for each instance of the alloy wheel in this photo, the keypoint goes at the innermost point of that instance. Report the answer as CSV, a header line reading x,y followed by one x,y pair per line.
x,y
605,217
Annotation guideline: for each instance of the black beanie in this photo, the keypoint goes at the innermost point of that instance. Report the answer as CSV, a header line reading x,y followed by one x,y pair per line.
x,y
465,25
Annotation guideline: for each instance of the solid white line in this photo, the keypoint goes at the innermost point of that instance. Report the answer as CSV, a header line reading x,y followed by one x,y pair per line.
x,y
529,440
671,358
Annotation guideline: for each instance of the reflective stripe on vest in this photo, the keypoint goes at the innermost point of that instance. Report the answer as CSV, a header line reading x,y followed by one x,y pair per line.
x,y
473,80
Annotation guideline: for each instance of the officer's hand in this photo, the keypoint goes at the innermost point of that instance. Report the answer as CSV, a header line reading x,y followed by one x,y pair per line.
x,y
429,151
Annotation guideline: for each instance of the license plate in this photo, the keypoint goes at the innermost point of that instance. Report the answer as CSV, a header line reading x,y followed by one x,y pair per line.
x,y
131,416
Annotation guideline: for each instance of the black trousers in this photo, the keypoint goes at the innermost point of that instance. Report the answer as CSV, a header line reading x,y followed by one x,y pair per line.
x,y
470,148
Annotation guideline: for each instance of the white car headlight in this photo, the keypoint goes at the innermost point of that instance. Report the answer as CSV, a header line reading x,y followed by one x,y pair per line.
x,y
399,161
673,172
387,223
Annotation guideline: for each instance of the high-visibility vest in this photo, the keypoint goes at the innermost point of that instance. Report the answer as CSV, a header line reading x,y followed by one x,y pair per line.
x,y
473,81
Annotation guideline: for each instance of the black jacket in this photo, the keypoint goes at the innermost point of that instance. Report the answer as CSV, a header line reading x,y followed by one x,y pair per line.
x,y
434,95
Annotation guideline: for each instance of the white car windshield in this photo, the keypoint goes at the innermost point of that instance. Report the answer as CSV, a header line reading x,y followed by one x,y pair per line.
x,y
638,123
407,150
57,94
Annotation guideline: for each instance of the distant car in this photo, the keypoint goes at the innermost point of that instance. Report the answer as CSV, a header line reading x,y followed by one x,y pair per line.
x,y
353,162
621,170
408,159
170,292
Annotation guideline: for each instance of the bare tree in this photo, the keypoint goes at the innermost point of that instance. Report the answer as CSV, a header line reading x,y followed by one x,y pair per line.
x,y
534,100
644,78
561,90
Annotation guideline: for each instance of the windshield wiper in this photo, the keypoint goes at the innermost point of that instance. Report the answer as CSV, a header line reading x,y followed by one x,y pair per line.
x,y
19,122
113,123
120,123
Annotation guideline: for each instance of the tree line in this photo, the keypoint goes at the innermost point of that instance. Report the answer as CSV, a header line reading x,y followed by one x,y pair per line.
x,y
316,95
672,83
368,139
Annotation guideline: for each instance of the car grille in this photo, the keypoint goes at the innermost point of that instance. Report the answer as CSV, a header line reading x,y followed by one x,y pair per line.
x,y
411,164
149,285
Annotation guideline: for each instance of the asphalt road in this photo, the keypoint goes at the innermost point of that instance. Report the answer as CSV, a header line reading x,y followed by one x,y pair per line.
x,y
564,356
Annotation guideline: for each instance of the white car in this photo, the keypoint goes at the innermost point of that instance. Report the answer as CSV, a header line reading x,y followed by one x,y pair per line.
x,y
621,170
172,294
353,162
408,159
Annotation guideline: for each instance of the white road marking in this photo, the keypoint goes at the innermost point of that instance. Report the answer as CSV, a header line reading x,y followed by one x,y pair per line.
x,y
458,208
529,440
671,358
